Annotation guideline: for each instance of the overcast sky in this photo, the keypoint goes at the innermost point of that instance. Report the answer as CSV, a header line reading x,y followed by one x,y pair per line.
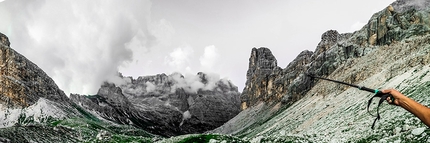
x,y
81,43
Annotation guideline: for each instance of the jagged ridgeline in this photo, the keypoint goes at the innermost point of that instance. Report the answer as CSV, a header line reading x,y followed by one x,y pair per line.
x,y
167,105
278,104
34,109
391,51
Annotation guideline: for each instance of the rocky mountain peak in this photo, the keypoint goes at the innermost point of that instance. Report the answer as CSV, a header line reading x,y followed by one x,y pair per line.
x,y
156,79
112,92
262,64
203,77
390,51
404,5
402,19
330,36
22,82
266,82
166,104
328,39
4,40
27,93
261,61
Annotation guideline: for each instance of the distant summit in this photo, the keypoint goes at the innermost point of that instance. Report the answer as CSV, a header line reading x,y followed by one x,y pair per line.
x,y
167,105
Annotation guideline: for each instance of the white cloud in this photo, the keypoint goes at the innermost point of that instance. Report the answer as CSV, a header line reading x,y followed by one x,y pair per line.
x,y
81,43
118,80
209,59
212,78
192,83
193,86
179,58
150,87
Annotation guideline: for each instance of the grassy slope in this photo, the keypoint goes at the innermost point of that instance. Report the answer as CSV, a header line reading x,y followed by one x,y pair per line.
x,y
75,130
87,129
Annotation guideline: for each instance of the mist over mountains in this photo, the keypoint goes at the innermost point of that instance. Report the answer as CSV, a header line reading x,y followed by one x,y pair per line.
x,y
276,105
167,105
74,41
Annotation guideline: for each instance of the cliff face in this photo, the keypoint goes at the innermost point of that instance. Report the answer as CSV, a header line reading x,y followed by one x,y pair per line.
x,y
390,51
268,83
26,90
259,84
166,104
22,82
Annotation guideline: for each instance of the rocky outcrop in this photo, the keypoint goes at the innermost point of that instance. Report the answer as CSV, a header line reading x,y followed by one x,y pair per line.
x,y
167,105
27,93
259,84
109,102
266,82
390,49
22,82
398,21
4,40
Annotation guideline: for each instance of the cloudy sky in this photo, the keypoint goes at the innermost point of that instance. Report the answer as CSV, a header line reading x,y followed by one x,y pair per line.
x,y
81,43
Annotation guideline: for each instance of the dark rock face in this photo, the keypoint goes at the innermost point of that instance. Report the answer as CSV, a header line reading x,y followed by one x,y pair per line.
x,y
266,82
109,101
398,21
261,62
22,82
259,84
167,105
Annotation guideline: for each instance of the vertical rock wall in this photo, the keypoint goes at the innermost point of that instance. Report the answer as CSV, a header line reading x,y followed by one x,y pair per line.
x,y
22,82
266,82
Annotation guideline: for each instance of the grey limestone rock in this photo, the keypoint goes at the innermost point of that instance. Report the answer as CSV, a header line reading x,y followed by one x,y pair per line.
x,y
266,82
28,96
167,105
23,82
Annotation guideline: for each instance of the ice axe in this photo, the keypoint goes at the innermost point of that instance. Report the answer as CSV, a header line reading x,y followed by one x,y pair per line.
x,y
377,93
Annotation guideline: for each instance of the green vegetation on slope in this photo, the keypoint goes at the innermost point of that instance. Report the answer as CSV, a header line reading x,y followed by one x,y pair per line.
x,y
76,130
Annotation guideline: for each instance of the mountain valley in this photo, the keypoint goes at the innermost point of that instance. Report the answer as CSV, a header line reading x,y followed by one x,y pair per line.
x,y
276,105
